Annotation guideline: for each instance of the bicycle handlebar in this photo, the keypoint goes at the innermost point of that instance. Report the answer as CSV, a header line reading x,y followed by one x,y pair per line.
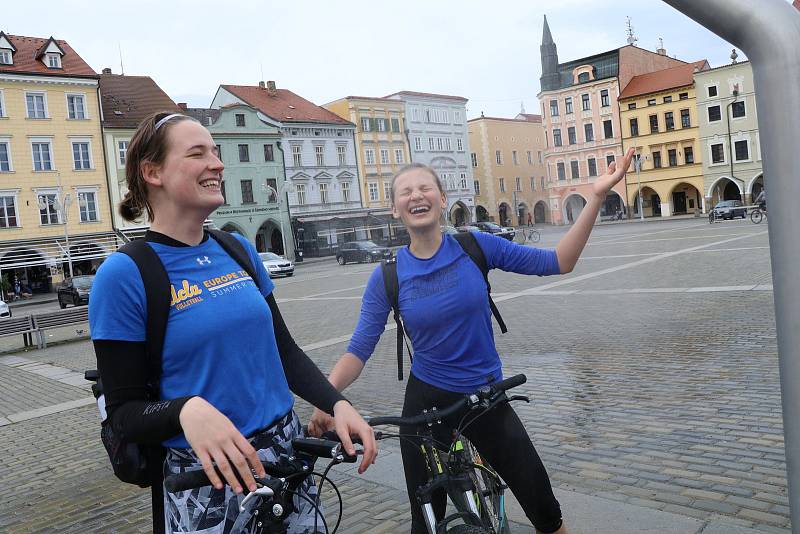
x,y
486,393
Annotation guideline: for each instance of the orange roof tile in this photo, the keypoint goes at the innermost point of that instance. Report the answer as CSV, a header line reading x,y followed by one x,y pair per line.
x,y
506,119
126,100
284,105
26,62
661,80
433,95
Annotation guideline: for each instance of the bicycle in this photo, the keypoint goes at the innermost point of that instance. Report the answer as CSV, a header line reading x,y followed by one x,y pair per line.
x,y
281,484
757,215
530,235
474,488
711,217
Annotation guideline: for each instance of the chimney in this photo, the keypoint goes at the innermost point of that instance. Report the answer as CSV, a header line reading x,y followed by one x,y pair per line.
x,y
271,89
106,71
661,51
182,105
261,84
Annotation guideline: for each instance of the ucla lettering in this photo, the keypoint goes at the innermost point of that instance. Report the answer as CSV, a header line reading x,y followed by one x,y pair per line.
x,y
186,292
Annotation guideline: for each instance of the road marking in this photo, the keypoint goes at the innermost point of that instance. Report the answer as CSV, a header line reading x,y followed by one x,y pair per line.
x,y
634,234
47,410
320,277
682,238
331,292
657,253
53,372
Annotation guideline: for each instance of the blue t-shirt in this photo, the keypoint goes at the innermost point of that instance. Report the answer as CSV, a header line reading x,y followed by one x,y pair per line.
x,y
219,343
445,310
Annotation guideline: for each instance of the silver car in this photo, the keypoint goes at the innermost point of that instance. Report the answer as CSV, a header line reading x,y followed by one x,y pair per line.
x,y
276,265
5,311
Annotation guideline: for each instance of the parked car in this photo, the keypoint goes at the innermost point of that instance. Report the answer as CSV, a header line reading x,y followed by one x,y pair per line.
x,y
276,265
362,251
468,228
5,311
496,229
75,290
729,209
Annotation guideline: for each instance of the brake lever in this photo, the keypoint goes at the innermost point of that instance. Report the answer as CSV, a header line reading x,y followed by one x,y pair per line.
x,y
519,398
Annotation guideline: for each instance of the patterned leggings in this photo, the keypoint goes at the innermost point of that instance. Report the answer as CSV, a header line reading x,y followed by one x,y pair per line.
x,y
209,511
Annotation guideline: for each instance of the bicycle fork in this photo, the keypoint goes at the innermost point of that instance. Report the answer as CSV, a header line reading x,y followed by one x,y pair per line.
x,y
458,487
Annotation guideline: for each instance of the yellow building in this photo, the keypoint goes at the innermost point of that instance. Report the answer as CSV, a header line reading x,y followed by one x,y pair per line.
x,y
659,118
54,208
381,145
507,159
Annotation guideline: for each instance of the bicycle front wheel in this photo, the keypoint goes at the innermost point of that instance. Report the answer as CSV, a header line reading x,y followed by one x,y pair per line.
x,y
535,236
489,488
756,216
467,529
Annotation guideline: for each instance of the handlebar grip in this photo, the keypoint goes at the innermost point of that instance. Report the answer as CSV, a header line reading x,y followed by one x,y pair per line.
x,y
186,481
510,382
389,420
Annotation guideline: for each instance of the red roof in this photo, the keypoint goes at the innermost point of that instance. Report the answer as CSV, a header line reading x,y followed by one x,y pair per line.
x,y
530,117
28,48
515,119
126,100
284,105
664,79
429,95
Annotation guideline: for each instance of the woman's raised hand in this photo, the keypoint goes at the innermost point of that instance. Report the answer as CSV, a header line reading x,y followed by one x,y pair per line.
x,y
614,174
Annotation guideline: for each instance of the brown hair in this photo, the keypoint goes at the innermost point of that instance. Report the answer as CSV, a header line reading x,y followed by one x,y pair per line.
x,y
412,167
149,144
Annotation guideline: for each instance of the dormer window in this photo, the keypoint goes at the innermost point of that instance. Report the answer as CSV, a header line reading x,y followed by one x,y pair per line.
x,y
5,57
53,61
50,54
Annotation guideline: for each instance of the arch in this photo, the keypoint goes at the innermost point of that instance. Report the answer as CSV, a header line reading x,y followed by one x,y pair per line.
x,y
269,237
459,214
522,214
573,205
651,202
612,205
233,228
86,258
724,189
504,214
443,162
684,198
540,212
756,186
481,213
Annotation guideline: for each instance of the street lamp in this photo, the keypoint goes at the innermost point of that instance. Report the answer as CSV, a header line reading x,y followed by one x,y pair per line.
x,y
637,164
266,188
730,143
63,209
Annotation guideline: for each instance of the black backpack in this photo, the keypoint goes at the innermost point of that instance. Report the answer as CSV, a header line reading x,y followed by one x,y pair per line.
x,y
392,287
136,463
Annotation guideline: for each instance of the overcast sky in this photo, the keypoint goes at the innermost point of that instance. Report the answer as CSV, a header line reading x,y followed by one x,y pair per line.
x,y
323,50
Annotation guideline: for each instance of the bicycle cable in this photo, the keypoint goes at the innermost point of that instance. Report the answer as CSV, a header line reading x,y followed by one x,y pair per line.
x,y
322,479
317,511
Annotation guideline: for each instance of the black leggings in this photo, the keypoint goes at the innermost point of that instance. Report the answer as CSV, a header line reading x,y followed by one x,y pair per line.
x,y
499,437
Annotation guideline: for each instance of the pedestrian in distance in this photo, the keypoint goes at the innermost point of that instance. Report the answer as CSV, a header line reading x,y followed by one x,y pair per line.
x,y
444,305
530,219
229,364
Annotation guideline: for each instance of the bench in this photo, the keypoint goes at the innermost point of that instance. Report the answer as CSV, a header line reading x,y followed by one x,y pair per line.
x,y
44,321
18,325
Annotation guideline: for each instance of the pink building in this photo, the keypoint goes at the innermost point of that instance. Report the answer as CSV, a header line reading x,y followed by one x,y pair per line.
x,y
582,121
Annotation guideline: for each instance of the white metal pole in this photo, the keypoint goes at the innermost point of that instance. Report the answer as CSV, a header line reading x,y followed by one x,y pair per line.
x,y
65,215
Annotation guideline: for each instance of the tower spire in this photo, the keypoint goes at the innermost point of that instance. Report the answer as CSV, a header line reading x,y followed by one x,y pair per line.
x,y
549,54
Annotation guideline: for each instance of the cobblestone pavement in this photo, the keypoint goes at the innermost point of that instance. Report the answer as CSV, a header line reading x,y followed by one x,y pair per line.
x,y
652,370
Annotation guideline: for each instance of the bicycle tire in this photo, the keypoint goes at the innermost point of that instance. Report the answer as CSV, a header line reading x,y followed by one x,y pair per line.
x,y
489,489
467,529
535,236
756,216
711,217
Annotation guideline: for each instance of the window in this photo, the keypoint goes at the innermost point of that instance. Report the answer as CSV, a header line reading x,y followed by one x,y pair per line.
x,y
539,153
667,99
554,108
272,190
459,144
533,183
319,153
651,102
5,157
712,91
398,156
8,211
369,156
122,150
244,153
439,143
530,157
381,124
514,157
672,157
714,114
48,214
219,152
738,109
573,169
366,124
41,156
474,157
653,123
301,194
323,193
297,155
669,121
384,156
418,143
717,153
592,166
562,171
634,127
541,180
431,143
583,77
345,191
341,153
632,105
396,125
80,155
447,144
387,191
608,129
568,105
477,186
463,180
5,57
571,135
657,160
502,185
585,106
604,101
688,155
87,206
518,183
609,159
741,150
2,105
588,132
247,191
53,61
76,108
686,121
240,119
224,194
269,154
557,137
36,105
373,191
683,96
498,156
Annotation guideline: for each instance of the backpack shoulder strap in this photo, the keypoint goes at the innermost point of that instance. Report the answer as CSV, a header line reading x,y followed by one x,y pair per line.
x,y
235,250
157,293
475,252
392,287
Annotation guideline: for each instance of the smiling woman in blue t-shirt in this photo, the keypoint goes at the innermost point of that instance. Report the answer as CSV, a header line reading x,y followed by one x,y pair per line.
x,y
442,300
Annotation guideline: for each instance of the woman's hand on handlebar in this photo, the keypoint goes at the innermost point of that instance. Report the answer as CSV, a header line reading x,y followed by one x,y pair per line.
x,y
320,423
348,422
215,440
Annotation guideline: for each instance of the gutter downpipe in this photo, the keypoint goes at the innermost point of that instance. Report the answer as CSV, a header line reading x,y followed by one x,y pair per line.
x,y
278,144
768,33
